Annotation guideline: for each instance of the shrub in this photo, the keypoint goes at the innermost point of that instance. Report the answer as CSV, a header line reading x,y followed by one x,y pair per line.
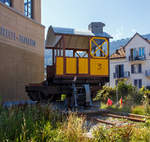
x,y
147,101
124,89
105,93
130,94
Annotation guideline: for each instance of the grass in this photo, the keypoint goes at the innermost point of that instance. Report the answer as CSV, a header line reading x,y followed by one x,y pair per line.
x,y
139,109
116,108
28,123
41,124
122,134
135,109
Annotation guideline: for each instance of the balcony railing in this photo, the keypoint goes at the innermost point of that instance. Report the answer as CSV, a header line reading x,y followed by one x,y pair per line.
x,y
125,74
147,73
132,58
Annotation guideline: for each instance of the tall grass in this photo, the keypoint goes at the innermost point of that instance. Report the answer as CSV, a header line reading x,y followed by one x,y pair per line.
x,y
73,130
122,134
25,123
41,124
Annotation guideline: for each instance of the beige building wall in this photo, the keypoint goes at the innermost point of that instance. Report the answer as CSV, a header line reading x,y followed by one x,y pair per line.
x,y
21,53
18,5
37,10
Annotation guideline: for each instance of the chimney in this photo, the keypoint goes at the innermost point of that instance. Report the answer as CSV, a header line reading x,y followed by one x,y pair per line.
x,y
96,27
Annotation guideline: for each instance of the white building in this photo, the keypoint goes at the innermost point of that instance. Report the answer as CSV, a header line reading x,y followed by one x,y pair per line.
x,y
132,62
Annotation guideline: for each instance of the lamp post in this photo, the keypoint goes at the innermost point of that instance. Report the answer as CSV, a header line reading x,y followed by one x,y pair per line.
x,y
117,92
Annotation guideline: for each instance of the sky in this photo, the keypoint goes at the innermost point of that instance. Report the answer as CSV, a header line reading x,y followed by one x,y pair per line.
x,y
123,18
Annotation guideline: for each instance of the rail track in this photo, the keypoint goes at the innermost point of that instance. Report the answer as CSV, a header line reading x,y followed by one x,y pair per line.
x,y
94,114
117,119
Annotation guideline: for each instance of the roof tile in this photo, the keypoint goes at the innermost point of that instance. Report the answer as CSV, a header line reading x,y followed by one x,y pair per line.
x,y
120,53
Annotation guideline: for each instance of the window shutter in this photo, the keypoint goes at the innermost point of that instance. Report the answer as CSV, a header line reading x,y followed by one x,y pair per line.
x,y
139,68
122,70
116,68
132,68
140,83
140,52
143,53
135,82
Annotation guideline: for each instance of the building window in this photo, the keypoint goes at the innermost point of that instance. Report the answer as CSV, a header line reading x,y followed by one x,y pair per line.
x,y
141,52
135,83
136,68
138,83
7,2
119,70
28,8
137,54
133,53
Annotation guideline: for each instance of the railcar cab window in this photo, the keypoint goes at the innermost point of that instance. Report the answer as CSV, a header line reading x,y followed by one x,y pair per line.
x,y
28,4
99,48
7,2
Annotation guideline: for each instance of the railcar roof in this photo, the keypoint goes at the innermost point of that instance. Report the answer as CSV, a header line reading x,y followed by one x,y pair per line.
x,y
74,39
59,30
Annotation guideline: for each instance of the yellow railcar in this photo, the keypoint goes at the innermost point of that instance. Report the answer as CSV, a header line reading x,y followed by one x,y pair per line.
x,y
77,54
76,57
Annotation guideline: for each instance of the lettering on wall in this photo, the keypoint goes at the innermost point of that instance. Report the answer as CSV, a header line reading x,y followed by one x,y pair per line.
x,y
13,36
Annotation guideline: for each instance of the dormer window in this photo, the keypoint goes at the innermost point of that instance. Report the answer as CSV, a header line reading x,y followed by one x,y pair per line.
x,y
7,2
28,8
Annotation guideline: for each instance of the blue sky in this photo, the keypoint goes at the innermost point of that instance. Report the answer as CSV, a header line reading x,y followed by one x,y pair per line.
x,y
122,17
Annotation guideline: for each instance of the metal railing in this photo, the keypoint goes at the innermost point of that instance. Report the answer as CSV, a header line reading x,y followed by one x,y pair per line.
x,y
132,58
125,74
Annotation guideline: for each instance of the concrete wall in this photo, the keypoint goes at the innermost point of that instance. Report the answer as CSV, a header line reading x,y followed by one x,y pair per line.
x,y
136,42
21,53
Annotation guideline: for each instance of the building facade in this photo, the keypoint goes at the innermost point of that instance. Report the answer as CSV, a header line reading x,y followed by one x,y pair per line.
x,y
132,62
21,47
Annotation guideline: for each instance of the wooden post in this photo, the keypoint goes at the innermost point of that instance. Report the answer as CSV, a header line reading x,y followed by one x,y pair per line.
x,y
64,56
74,52
53,56
89,57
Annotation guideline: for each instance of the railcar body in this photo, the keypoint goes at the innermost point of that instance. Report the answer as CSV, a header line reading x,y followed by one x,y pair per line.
x,y
77,58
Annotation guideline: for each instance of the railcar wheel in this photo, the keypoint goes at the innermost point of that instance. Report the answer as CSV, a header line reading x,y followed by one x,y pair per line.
x,y
50,97
32,96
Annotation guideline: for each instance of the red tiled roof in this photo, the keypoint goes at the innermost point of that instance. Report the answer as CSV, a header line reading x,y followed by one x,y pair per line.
x,y
120,53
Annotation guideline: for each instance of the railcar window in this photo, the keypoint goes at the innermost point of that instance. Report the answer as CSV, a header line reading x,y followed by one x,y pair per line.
x,y
69,53
82,54
99,48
